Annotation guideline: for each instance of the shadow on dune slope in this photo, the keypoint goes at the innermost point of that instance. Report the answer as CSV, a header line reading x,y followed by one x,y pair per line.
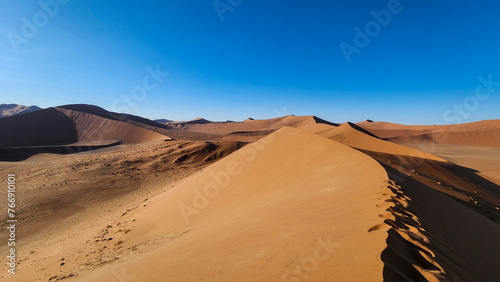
x,y
40,128
64,131
14,154
445,222
444,218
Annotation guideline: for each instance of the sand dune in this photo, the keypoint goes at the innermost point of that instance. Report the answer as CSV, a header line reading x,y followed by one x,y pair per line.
x,y
436,210
486,137
145,123
98,111
54,127
389,130
354,136
68,199
444,222
309,123
92,128
200,129
64,131
287,207
430,209
481,133
342,204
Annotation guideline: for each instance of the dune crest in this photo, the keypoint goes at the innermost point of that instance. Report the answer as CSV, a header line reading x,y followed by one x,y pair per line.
x,y
353,136
309,220
252,125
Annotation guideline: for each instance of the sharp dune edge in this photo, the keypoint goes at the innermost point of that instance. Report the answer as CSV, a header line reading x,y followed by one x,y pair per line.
x,y
309,123
311,201
293,195
431,235
353,137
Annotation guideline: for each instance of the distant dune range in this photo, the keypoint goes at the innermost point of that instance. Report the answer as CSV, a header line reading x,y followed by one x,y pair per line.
x,y
7,110
480,133
201,125
60,126
73,128
285,199
60,130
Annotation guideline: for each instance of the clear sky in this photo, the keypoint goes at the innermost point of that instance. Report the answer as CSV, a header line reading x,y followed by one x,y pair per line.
x,y
233,59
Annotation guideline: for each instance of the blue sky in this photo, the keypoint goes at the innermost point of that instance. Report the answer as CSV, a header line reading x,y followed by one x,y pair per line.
x,y
255,58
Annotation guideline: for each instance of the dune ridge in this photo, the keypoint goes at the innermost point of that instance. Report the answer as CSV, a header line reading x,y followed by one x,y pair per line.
x,y
353,136
423,189
251,125
310,201
435,210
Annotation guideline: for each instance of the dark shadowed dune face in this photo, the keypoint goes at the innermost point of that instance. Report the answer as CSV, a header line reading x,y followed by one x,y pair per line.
x,y
14,154
91,128
65,131
320,120
40,128
60,126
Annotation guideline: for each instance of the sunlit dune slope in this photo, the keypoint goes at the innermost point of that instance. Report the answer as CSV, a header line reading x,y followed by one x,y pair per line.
x,y
292,206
